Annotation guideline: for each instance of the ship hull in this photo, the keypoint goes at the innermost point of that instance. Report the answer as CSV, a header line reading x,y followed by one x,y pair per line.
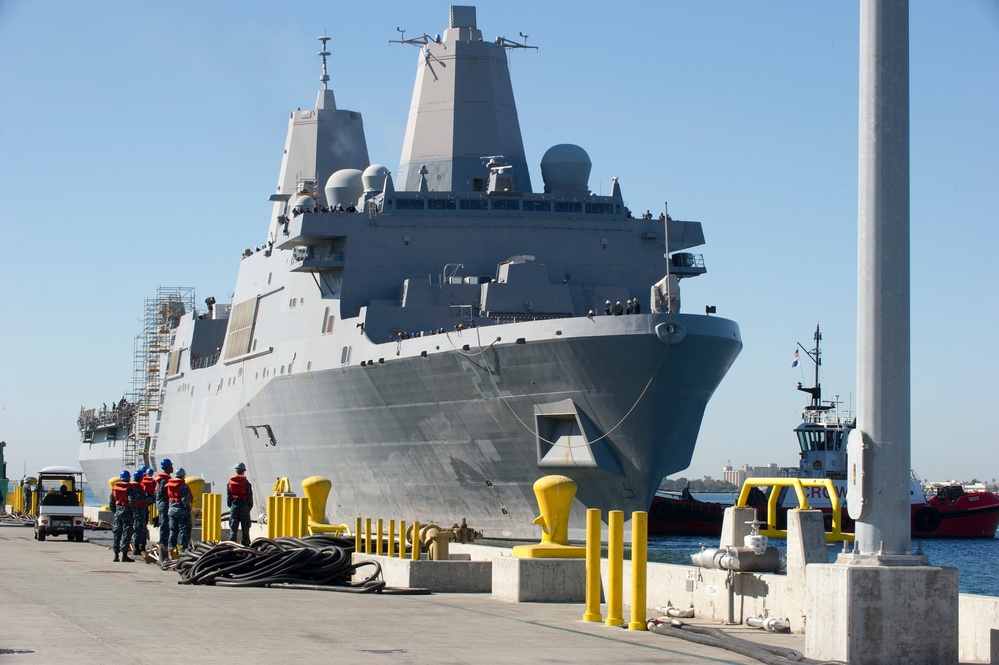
x,y
455,434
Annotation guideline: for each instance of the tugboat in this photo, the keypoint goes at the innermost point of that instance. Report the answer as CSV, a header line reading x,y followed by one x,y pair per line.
x,y
822,436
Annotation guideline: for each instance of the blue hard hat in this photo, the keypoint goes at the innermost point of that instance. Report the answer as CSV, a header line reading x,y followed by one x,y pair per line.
x,y
125,475
241,467
143,468
139,475
180,473
164,463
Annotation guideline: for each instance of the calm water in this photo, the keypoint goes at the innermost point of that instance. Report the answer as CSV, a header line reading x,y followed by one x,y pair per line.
x,y
974,558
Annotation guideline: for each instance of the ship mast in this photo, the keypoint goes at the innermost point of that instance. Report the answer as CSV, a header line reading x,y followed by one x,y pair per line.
x,y
816,390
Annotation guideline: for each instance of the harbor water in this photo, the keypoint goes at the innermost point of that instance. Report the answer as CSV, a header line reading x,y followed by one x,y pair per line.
x,y
973,557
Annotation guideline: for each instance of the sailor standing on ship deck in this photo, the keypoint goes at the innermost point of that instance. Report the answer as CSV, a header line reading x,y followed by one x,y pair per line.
x,y
179,496
240,501
122,501
163,505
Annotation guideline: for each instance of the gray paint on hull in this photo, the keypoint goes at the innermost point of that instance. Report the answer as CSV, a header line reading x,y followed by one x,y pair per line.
x,y
397,439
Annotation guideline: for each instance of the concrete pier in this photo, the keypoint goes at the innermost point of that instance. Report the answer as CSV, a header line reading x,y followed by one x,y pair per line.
x,y
68,600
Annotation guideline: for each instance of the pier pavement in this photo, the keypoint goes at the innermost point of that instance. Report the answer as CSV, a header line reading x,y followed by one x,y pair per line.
x,y
68,602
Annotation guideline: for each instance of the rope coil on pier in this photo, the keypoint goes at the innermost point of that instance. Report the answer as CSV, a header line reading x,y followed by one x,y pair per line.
x,y
319,562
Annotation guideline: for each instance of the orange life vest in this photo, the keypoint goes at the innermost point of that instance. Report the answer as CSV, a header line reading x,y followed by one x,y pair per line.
x,y
237,487
119,493
139,494
148,484
173,490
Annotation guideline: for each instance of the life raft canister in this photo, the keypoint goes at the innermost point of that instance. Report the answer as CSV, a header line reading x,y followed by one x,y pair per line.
x,y
173,489
237,487
119,493
817,464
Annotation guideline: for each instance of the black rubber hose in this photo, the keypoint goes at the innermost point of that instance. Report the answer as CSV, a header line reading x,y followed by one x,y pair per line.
x,y
321,561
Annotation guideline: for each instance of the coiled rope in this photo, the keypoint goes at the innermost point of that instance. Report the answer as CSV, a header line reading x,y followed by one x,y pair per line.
x,y
320,562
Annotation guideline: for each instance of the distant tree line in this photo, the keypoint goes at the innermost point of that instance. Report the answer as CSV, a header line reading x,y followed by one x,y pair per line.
x,y
705,484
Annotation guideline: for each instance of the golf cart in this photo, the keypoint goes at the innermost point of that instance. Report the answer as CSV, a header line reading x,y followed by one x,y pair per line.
x,y
60,503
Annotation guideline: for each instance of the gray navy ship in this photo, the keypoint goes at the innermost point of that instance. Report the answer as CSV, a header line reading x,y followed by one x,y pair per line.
x,y
436,339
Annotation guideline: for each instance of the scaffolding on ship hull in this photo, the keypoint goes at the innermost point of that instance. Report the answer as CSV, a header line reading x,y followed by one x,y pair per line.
x,y
162,315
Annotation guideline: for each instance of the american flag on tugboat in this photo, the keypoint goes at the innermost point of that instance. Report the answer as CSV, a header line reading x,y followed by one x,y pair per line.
x,y
794,360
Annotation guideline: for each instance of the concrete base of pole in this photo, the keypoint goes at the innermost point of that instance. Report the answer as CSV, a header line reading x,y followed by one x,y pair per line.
x,y
867,610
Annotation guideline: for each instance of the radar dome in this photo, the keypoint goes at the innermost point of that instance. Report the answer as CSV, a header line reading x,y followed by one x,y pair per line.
x,y
566,168
374,178
305,203
344,187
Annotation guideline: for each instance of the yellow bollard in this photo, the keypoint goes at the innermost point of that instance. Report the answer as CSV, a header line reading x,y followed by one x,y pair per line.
x,y
357,535
297,516
367,535
378,530
272,510
111,482
211,518
287,516
303,517
639,558
197,486
402,539
416,541
615,565
317,490
391,539
555,495
592,565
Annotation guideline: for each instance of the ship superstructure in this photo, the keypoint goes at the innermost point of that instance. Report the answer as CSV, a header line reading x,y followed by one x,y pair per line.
x,y
436,340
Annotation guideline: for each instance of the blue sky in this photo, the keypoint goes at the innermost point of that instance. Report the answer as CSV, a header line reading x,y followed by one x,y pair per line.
x,y
139,143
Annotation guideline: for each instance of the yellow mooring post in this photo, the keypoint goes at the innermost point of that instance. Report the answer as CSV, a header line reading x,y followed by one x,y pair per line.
x,y
615,567
379,530
357,535
367,535
402,539
303,516
639,558
211,517
592,565
272,511
416,541
391,539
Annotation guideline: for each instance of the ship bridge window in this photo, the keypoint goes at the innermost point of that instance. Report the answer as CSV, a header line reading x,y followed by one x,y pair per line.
x,y
474,204
599,208
409,204
537,206
506,204
568,206
442,204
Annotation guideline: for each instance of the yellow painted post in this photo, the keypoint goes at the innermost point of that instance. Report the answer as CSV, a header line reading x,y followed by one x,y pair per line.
x,y
402,539
615,567
592,565
17,503
639,559
211,517
367,535
303,519
272,511
289,516
416,541
357,535
391,539
379,530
